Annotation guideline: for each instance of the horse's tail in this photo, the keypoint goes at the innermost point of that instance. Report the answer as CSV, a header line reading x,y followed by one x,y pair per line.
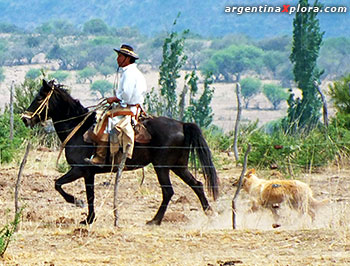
x,y
195,140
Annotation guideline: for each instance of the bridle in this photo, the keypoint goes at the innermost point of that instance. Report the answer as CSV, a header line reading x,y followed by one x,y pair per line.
x,y
43,105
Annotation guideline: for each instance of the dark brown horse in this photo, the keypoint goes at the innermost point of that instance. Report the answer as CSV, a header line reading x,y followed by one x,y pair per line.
x,y
172,141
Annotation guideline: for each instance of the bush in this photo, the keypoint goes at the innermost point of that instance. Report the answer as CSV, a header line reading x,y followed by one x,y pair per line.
x,y
33,73
339,92
59,75
9,149
303,151
7,232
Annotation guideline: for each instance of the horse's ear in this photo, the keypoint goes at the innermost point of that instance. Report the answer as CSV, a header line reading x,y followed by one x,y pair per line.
x,y
46,87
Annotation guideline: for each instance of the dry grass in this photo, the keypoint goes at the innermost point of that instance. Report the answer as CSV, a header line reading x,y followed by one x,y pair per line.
x,y
50,233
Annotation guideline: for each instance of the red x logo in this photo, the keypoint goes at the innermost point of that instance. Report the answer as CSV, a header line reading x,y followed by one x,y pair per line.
x,y
285,8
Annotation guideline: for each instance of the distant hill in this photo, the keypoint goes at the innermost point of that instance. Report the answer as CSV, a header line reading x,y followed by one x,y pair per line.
x,y
207,18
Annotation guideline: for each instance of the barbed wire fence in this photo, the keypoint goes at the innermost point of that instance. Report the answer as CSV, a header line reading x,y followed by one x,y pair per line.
x,y
107,196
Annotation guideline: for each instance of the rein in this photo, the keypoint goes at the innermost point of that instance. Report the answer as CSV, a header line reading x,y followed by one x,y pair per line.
x,y
72,133
38,111
45,104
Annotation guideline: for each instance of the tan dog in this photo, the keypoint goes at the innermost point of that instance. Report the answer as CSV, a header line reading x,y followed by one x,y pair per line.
x,y
271,193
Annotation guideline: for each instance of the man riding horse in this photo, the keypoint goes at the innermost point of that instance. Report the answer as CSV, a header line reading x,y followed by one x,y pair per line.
x,y
115,125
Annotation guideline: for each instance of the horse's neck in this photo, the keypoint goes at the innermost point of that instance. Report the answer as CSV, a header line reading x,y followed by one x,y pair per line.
x,y
65,125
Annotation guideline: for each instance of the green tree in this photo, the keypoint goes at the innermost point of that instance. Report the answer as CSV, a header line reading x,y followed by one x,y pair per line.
x,y
233,61
24,94
102,86
249,88
86,74
61,54
59,75
95,27
105,70
57,28
304,113
33,73
169,71
339,92
104,40
153,103
335,57
199,110
9,28
33,41
275,93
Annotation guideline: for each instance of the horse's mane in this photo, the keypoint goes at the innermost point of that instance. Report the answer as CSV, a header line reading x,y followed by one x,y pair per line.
x,y
61,95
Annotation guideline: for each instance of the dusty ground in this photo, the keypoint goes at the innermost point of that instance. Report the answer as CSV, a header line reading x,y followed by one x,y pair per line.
x,y
50,233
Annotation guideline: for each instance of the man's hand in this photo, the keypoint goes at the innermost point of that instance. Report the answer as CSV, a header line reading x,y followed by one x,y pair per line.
x,y
111,100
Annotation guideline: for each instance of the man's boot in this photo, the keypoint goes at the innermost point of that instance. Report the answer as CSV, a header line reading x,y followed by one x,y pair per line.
x,y
100,155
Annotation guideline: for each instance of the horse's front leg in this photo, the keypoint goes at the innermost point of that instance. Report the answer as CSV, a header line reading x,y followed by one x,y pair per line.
x,y
72,175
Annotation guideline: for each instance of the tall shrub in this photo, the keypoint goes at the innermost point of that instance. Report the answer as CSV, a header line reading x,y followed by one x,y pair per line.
x,y
169,71
199,110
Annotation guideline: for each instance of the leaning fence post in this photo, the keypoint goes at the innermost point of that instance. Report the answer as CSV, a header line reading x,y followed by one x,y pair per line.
x,y
18,183
11,110
238,119
117,179
324,102
240,181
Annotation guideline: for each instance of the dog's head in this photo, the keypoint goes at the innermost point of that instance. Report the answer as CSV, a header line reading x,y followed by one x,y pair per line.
x,y
250,173
246,177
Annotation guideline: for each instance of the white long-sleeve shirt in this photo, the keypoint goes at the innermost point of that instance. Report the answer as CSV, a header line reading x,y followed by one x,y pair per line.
x,y
132,86
131,90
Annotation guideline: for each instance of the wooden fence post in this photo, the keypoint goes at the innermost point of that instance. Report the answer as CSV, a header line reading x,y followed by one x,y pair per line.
x,y
117,179
239,186
18,183
11,111
238,119
325,109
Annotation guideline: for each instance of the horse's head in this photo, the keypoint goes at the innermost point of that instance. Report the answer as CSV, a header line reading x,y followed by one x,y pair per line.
x,y
38,111
53,101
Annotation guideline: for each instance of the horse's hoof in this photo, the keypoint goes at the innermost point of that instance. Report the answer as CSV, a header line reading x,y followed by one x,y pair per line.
x,y
209,211
87,221
79,203
84,222
153,222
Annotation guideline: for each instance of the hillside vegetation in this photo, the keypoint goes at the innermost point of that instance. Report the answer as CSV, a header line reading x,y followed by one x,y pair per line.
x,y
206,18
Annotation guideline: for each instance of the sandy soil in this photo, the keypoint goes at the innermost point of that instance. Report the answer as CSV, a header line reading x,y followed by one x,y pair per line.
x,y
50,233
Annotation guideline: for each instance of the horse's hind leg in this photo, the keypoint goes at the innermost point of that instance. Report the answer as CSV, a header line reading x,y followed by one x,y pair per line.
x,y
167,191
196,186
90,195
69,177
